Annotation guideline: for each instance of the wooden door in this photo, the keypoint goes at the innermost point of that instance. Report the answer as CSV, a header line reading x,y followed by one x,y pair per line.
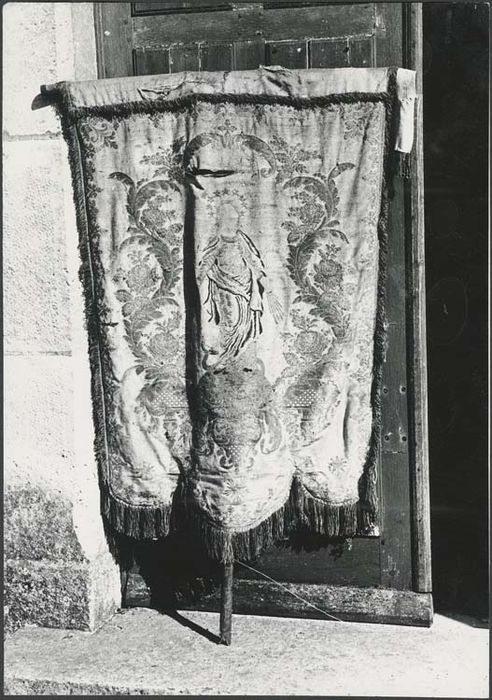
x,y
384,575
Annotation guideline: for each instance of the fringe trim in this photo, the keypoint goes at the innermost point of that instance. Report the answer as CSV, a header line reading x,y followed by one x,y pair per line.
x,y
90,304
307,512
224,546
300,512
139,522
367,511
60,96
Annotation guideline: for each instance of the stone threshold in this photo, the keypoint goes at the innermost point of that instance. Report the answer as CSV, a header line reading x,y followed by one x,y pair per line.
x,y
143,652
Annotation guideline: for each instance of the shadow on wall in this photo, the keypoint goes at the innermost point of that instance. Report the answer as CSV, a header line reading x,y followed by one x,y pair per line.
x,y
456,44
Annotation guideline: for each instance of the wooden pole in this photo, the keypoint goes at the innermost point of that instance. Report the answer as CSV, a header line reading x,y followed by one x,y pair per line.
x,y
226,604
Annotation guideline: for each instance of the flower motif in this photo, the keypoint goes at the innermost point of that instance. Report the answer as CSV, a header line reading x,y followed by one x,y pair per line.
x,y
227,127
355,118
156,219
133,306
141,278
291,159
311,210
310,343
333,314
300,320
328,273
164,347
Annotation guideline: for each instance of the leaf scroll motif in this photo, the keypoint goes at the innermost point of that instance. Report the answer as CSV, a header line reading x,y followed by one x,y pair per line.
x,y
311,223
152,255
225,138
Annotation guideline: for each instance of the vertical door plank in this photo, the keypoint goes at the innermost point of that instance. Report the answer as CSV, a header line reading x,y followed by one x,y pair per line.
x,y
396,569
395,553
113,24
389,30
183,57
361,52
395,390
419,445
216,57
290,54
328,53
395,542
151,61
249,55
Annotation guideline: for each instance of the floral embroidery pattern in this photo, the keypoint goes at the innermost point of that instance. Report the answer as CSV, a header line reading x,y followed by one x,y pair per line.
x,y
356,118
235,418
313,219
147,273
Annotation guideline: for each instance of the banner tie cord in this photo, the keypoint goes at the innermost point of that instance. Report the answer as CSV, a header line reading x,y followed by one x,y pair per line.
x,y
315,607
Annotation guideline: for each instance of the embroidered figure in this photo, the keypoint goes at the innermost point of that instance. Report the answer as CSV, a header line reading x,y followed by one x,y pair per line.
x,y
234,271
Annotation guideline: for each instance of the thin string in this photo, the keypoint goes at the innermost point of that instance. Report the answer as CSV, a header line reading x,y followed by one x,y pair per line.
x,y
307,602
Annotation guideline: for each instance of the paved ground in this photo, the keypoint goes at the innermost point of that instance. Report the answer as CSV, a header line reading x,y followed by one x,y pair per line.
x,y
143,652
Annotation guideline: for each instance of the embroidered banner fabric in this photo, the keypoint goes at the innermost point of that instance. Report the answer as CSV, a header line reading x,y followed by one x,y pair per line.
x,y
233,244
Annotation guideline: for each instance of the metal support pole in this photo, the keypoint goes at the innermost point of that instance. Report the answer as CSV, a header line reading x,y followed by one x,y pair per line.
x,y
226,604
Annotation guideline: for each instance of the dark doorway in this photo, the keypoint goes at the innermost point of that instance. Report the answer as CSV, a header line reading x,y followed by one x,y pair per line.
x,y
456,118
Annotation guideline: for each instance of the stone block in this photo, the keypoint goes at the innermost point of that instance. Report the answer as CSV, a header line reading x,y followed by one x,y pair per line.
x,y
39,400
105,590
84,41
36,282
58,571
48,32
72,595
47,594
50,471
34,52
40,525
29,59
61,41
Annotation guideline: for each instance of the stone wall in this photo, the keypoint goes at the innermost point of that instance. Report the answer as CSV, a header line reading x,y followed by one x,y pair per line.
x,y
58,569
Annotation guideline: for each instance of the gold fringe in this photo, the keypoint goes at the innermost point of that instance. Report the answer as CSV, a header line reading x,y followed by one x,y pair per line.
x,y
300,512
60,96
138,522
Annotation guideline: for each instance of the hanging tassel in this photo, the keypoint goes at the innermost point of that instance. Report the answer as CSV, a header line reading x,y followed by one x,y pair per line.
x,y
139,522
301,512
307,512
226,546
